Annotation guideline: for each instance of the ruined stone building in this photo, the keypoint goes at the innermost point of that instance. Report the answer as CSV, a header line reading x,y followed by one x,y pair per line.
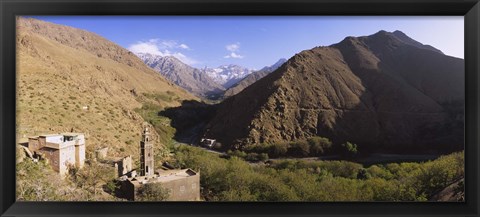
x,y
60,150
182,185
124,167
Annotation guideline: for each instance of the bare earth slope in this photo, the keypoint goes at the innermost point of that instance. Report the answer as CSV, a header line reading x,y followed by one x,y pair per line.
x,y
72,79
376,91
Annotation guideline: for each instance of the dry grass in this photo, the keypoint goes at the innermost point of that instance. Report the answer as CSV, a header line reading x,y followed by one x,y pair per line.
x,y
56,80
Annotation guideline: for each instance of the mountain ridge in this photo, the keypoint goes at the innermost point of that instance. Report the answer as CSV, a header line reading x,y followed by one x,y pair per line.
x,y
252,78
227,75
73,80
404,37
183,75
358,90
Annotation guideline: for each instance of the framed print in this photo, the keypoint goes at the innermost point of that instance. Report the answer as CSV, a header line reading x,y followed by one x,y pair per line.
x,y
256,108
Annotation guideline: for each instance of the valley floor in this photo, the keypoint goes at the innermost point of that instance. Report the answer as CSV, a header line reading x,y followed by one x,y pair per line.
x,y
230,178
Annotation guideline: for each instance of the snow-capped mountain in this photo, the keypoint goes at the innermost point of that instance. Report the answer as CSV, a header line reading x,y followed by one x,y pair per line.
x,y
191,79
227,75
207,82
252,78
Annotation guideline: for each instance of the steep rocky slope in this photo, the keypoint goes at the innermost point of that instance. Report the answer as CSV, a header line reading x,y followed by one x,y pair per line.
x,y
377,91
70,79
183,75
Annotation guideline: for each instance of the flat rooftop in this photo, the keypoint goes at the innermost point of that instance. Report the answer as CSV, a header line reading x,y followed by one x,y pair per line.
x,y
72,134
56,134
163,176
49,135
60,145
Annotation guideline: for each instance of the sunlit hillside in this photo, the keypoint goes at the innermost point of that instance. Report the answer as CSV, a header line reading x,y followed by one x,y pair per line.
x,y
70,79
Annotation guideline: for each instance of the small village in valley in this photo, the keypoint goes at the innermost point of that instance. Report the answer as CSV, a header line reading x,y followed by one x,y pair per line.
x,y
66,151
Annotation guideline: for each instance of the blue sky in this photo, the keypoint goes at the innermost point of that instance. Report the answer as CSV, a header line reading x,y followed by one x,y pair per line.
x,y
255,42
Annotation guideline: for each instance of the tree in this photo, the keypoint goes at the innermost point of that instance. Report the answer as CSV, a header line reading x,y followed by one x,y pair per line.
x,y
299,148
251,157
363,174
263,157
349,150
153,192
36,181
279,149
92,177
318,145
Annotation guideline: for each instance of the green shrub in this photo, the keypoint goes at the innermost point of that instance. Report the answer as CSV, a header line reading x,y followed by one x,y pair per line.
x,y
162,125
152,192
36,182
299,149
319,145
314,146
438,174
161,97
263,157
363,174
349,150
379,171
237,153
252,157
279,149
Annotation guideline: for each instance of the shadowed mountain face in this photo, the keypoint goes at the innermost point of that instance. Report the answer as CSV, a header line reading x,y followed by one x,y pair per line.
x,y
191,79
377,91
407,40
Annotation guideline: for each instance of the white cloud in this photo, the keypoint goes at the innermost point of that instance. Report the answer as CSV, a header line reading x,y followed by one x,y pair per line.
x,y
171,44
163,48
149,46
234,55
233,47
185,59
168,44
183,46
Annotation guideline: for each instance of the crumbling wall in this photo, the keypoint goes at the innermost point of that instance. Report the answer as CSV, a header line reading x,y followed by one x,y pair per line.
x,y
124,165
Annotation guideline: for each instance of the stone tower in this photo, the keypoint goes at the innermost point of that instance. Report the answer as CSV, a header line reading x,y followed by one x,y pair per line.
x,y
146,154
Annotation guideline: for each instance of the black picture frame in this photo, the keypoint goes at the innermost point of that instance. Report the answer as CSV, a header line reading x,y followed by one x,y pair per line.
x,y
470,9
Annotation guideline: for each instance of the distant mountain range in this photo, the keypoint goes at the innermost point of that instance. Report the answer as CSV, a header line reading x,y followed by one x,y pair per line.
x,y
207,82
191,79
384,92
227,75
252,78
